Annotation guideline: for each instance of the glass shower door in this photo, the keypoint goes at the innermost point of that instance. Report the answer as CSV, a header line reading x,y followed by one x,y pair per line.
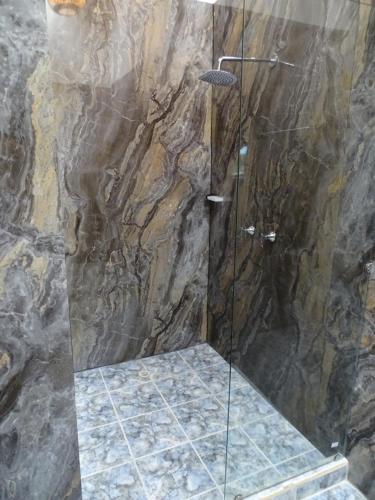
x,y
295,326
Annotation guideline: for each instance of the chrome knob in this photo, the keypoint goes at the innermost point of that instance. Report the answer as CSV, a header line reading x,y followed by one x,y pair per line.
x,y
270,236
249,230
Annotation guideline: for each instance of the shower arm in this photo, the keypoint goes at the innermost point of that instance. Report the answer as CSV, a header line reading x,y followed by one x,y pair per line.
x,y
272,60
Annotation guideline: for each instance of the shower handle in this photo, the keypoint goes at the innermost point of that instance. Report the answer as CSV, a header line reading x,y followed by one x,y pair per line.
x,y
271,237
249,230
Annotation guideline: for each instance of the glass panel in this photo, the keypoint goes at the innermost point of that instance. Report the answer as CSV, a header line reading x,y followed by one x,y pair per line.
x,y
297,309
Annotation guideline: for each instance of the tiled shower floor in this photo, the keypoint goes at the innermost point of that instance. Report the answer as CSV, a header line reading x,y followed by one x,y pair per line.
x,y
156,429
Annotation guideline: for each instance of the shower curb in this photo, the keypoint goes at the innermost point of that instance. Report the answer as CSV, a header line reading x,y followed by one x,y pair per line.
x,y
306,484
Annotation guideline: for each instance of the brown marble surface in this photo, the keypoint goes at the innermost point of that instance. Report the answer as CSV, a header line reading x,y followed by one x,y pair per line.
x,y
134,150
306,172
38,432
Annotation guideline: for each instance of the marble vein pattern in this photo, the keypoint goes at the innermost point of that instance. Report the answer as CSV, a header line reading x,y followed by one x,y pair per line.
x,y
126,84
361,431
180,449
38,431
306,172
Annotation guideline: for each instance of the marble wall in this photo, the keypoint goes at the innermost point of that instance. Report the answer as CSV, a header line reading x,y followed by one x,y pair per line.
x,y
305,172
134,149
38,436
360,205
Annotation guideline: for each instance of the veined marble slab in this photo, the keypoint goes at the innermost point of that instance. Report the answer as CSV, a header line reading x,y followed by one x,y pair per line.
x,y
38,432
134,151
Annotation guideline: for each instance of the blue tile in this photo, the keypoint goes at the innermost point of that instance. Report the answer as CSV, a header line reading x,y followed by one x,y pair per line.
x,y
201,417
124,375
210,495
246,405
277,439
153,432
200,356
243,458
94,411
181,390
216,377
301,464
343,491
253,483
102,448
137,400
88,383
174,474
321,483
167,365
118,483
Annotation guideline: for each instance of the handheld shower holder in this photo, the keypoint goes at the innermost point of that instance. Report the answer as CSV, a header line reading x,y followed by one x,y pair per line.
x,y
272,60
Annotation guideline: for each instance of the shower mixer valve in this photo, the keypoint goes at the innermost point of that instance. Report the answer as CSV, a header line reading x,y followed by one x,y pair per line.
x,y
249,230
271,236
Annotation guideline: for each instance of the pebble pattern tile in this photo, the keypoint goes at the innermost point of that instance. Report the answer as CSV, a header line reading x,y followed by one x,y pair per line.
x,y
201,417
88,383
153,432
93,411
125,374
102,448
156,429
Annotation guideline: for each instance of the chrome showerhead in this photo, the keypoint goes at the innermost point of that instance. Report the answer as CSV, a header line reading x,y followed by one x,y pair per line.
x,y
219,77
226,79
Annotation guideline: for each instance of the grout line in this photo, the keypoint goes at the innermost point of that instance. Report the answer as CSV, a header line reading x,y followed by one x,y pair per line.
x,y
200,495
298,456
203,367
278,463
88,429
162,450
110,467
187,437
255,446
126,439
79,394
186,403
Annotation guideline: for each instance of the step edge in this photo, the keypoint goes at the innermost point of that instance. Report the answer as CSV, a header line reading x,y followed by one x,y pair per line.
x,y
302,479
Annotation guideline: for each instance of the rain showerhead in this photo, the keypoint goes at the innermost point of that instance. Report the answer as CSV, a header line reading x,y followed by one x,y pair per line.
x,y
219,77
226,78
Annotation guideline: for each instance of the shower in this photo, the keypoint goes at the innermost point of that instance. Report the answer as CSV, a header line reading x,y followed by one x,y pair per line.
x,y
226,78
